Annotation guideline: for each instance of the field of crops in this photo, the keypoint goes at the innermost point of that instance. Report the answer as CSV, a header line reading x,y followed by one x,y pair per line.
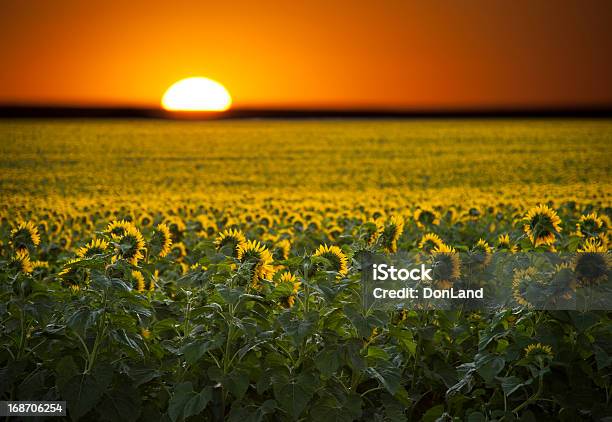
x,y
172,270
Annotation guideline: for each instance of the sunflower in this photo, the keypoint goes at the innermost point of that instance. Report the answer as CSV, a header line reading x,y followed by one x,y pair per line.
x,y
314,225
145,220
373,230
205,226
538,350
592,263
25,236
88,226
482,252
589,225
56,227
451,215
525,283
592,245
281,250
130,246
446,267
161,241
117,228
592,226
334,231
176,226
429,242
197,267
296,221
41,268
40,264
392,233
72,276
542,224
232,237
178,251
248,217
260,256
503,243
139,281
43,226
606,225
265,220
376,214
563,283
21,261
424,217
294,285
337,258
64,242
94,247
230,222
184,267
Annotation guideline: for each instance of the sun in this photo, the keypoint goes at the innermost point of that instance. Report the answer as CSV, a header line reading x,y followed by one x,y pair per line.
x,y
196,94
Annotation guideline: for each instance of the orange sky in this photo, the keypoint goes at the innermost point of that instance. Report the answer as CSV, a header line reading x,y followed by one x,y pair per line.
x,y
318,53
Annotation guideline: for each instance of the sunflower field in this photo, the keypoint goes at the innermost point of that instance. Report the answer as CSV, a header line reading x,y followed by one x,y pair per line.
x,y
182,270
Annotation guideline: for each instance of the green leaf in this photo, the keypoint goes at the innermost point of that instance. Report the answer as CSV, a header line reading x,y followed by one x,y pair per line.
x,y
476,417
293,399
195,350
488,366
249,297
327,361
511,384
230,296
65,370
121,404
602,358
82,393
298,328
80,321
388,376
99,280
237,383
466,383
358,320
268,407
433,413
584,321
394,410
122,337
141,376
404,338
294,396
182,394
11,374
198,402
377,353
336,409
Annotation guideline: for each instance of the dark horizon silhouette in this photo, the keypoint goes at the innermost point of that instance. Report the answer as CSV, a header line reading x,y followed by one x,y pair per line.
x,y
38,111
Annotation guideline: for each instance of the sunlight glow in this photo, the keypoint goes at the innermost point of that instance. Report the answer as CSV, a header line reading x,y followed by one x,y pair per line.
x,y
196,94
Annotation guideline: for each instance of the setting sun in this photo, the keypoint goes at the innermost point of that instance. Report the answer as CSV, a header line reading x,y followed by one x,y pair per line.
x,y
196,94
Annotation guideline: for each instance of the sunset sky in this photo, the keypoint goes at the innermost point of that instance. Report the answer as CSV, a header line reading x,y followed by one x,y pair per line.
x,y
321,53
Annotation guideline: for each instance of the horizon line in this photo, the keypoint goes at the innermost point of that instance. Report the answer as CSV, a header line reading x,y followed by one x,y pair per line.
x,y
8,111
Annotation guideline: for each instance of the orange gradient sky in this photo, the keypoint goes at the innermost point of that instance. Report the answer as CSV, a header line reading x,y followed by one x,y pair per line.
x,y
320,53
